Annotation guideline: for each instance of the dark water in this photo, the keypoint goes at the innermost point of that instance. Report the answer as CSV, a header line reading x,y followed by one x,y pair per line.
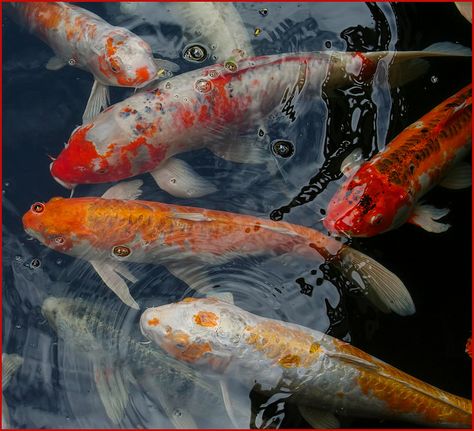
x,y
41,108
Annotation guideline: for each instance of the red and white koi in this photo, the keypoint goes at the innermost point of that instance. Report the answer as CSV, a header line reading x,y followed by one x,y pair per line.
x,y
114,55
322,373
203,108
383,193
186,240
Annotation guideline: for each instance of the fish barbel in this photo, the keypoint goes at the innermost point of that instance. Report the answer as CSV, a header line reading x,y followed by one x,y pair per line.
x,y
384,192
210,107
114,55
322,372
185,238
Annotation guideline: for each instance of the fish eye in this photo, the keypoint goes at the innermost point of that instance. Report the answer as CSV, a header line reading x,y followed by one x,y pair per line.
x,y
37,207
376,219
59,240
71,61
114,65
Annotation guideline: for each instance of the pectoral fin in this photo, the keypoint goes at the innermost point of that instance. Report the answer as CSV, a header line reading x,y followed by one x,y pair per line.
x,y
245,149
129,190
459,177
99,99
352,162
112,390
425,216
111,277
178,179
179,416
382,287
55,63
319,419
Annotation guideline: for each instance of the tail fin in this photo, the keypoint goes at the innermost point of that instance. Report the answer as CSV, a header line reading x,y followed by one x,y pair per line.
x,y
382,287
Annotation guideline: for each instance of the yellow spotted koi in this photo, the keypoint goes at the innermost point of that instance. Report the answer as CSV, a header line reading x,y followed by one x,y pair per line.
x,y
114,230
321,372
383,193
114,55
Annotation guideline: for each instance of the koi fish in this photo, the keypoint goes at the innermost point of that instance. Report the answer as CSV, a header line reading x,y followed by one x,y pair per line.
x,y
186,240
465,8
208,107
384,192
319,371
114,55
90,330
10,364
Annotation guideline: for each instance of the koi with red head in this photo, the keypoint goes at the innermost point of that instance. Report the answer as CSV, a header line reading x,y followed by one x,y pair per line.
x,y
382,193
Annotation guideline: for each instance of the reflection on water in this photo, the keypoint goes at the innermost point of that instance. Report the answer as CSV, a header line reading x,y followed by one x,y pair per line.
x,y
92,345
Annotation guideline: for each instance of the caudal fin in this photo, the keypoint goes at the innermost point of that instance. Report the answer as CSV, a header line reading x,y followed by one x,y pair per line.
x,y
382,287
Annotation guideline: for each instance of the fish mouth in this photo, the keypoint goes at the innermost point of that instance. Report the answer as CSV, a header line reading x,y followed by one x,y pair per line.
x,y
66,185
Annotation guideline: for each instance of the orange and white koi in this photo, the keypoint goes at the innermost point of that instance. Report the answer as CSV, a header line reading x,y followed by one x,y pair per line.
x,y
204,108
319,371
186,239
383,193
114,55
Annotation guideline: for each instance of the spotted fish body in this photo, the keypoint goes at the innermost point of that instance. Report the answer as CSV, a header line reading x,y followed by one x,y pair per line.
x,y
114,55
322,372
183,237
201,108
382,193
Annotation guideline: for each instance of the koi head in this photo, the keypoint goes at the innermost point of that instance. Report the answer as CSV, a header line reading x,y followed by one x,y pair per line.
x,y
103,151
124,60
199,331
367,204
61,225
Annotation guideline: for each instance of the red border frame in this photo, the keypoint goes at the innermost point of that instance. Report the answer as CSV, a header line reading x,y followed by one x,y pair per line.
x,y
248,1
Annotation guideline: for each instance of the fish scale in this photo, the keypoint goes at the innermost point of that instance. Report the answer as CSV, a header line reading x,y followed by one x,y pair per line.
x,y
319,371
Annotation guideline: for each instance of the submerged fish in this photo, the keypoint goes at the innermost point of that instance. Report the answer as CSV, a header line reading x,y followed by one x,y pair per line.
x,y
10,364
384,192
118,359
114,55
210,107
218,25
186,240
323,373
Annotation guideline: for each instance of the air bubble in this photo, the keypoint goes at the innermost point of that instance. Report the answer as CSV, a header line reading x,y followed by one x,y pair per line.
x,y
328,44
257,32
203,85
195,53
283,149
263,12
434,79
35,263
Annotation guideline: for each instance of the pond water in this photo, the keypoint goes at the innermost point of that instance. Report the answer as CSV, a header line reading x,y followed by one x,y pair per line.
x,y
56,386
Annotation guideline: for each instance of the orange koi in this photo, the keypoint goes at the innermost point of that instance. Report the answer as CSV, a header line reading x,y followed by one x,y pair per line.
x,y
383,193
184,238
114,55
315,368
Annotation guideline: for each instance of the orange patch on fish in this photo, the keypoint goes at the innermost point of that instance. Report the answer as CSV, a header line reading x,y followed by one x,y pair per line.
x,y
290,361
206,318
406,394
469,347
189,299
287,347
154,322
